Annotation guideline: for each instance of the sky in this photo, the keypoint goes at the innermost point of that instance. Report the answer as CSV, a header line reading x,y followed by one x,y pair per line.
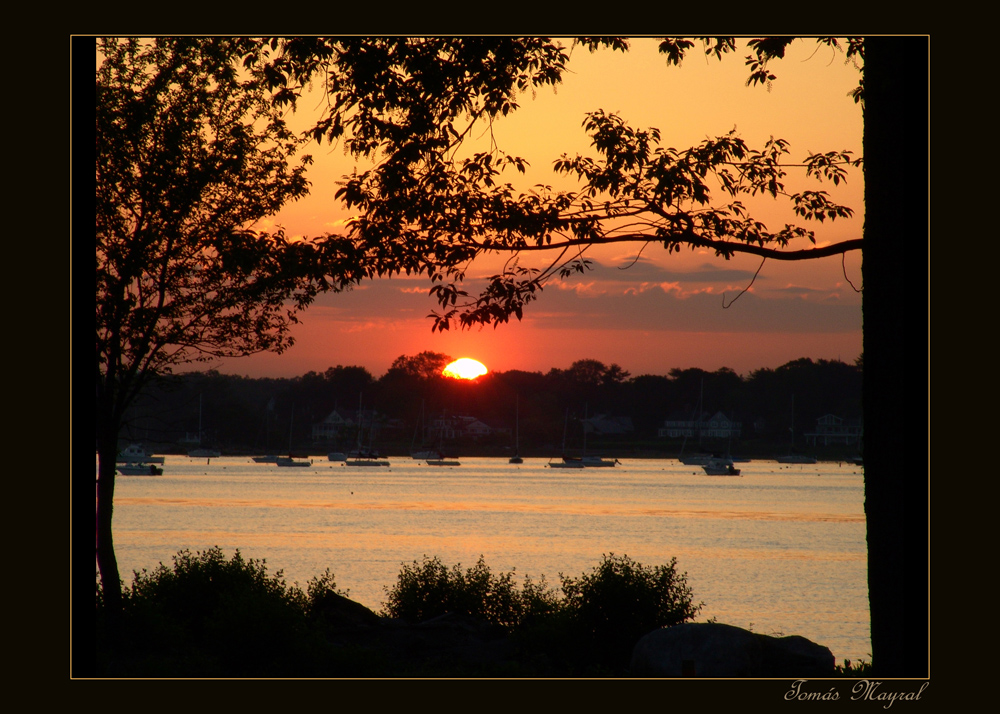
x,y
648,313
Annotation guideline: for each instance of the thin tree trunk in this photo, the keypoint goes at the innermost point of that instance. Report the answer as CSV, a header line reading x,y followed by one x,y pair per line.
x,y
107,562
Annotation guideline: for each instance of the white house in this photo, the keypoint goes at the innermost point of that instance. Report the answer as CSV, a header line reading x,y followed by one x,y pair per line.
x,y
831,429
332,427
456,426
717,425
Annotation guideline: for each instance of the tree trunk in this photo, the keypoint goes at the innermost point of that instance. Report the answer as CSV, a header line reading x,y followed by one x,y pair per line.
x,y
107,563
895,334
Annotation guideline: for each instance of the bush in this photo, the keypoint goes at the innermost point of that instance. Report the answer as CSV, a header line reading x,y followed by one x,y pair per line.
x,y
621,600
429,589
208,616
590,630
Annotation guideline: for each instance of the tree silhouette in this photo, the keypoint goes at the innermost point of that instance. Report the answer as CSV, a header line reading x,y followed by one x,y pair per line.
x,y
190,154
423,210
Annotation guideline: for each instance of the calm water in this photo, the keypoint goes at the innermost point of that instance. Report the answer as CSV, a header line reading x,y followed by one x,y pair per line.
x,y
780,549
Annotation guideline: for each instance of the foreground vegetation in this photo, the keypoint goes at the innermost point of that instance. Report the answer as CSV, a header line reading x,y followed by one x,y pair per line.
x,y
207,616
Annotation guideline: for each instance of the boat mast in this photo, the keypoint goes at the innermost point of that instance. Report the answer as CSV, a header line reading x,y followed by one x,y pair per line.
x,y
517,425
791,429
565,427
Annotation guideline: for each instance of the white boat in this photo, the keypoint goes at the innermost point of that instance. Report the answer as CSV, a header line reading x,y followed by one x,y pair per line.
x,y
721,467
289,461
137,454
565,464
139,470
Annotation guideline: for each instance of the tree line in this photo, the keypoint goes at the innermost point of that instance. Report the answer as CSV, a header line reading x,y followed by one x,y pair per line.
x,y
242,414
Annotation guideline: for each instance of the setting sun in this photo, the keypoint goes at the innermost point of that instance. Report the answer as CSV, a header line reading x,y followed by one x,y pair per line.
x,y
464,368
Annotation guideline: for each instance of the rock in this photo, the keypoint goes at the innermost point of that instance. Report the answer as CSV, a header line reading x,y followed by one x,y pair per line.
x,y
337,612
451,644
708,649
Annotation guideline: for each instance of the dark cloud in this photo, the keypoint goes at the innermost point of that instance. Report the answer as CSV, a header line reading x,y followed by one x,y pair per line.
x,y
644,297
630,270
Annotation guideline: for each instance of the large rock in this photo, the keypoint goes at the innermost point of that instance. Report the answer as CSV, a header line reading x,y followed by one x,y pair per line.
x,y
715,650
449,645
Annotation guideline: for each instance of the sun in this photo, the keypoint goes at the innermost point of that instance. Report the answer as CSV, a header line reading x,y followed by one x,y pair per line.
x,y
464,368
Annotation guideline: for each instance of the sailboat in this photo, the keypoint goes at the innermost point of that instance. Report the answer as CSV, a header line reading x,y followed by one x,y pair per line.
x,y
565,463
287,461
365,456
696,459
723,466
516,458
425,453
267,458
792,457
200,453
590,461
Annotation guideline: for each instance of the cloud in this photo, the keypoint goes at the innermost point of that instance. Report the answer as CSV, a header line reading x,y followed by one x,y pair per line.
x,y
646,297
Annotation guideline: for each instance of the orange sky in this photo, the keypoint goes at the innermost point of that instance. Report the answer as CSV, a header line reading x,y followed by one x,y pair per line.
x,y
662,312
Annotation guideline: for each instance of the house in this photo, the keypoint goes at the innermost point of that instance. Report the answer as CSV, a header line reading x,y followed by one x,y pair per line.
x,y
604,424
336,424
718,425
831,429
452,427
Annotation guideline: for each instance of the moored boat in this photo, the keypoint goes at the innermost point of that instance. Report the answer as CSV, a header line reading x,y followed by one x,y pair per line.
x,y
137,454
139,469
721,467
366,461
597,461
287,461
565,464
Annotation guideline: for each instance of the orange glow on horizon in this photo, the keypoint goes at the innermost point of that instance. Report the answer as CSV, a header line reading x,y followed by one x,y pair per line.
x,y
464,368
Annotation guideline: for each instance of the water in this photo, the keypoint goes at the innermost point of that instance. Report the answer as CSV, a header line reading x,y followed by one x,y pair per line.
x,y
779,550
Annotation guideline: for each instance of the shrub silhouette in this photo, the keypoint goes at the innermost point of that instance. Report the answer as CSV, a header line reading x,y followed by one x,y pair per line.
x,y
591,629
208,616
429,589
621,600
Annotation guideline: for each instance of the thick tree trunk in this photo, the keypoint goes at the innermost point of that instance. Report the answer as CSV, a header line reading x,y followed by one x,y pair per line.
x,y
895,335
